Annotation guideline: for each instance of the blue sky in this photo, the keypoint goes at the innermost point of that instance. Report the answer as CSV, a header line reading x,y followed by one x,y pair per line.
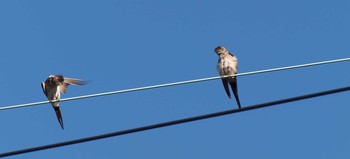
x,y
126,44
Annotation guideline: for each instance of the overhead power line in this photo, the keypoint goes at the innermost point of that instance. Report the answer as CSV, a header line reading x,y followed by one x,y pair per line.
x,y
175,83
175,122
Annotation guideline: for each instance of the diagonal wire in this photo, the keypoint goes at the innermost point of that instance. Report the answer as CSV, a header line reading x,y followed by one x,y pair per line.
x,y
175,83
175,122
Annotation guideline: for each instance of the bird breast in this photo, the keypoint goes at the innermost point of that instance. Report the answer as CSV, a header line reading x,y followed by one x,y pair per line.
x,y
227,66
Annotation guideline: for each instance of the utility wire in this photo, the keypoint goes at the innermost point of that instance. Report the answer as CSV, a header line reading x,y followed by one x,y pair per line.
x,y
175,83
175,122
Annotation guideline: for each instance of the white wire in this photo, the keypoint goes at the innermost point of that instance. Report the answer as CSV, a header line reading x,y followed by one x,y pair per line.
x,y
176,83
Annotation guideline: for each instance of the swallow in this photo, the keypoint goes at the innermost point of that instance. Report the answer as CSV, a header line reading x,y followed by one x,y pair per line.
x,y
227,65
54,86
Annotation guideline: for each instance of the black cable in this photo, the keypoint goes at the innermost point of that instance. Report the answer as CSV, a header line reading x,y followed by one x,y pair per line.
x,y
180,121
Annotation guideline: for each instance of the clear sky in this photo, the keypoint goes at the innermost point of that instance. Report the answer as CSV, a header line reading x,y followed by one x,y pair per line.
x,y
121,44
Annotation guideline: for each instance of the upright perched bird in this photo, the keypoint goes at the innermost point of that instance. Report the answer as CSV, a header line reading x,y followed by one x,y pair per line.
x,y
227,65
54,86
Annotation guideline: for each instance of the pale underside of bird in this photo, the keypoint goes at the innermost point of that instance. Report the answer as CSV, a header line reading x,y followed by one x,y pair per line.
x,y
227,65
54,86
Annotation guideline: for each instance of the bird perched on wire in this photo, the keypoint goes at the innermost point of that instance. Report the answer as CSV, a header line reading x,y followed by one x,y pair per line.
x,y
54,86
227,65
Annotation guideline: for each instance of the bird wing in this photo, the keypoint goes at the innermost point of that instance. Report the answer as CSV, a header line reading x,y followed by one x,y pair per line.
x,y
74,81
67,81
234,88
225,83
63,87
59,116
231,54
43,86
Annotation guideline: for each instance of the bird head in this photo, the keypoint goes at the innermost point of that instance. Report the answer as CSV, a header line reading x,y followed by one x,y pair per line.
x,y
220,50
51,79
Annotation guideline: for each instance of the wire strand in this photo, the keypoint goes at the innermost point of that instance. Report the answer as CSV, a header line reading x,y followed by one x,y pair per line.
x,y
175,83
175,122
